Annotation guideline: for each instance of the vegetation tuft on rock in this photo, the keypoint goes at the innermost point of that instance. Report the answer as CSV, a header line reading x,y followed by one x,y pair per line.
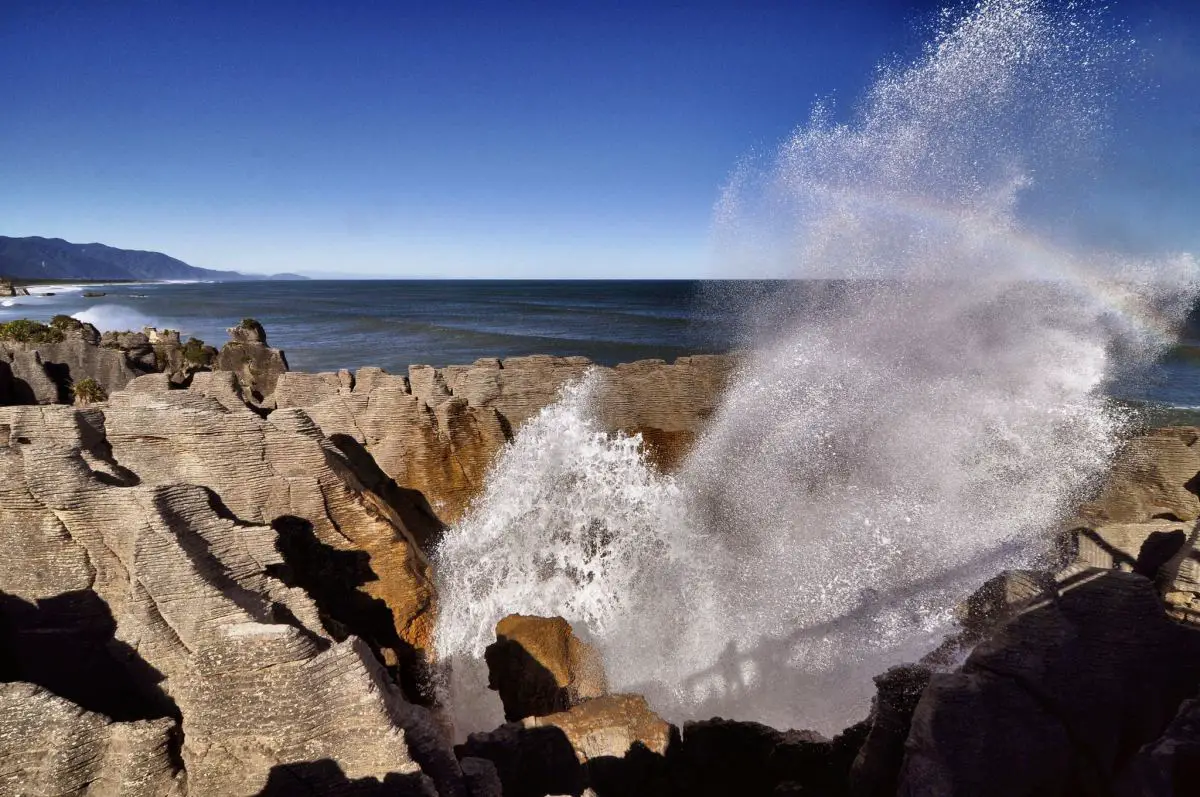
x,y
88,391
23,330
197,354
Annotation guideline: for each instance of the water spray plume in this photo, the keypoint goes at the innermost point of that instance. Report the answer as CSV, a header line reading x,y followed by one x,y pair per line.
x,y
891,439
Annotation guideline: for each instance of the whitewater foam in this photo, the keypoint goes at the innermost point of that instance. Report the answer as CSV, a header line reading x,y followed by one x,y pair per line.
x,y
889,442
115,318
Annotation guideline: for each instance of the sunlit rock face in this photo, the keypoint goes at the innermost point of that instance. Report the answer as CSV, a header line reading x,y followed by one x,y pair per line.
x,y
438,431
162,577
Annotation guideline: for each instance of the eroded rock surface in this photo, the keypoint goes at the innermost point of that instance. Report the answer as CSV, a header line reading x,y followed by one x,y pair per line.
x,y
1152,478
438,430
153,541
50,746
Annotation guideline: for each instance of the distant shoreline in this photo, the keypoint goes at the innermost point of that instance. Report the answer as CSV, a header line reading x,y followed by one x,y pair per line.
x,y
21,282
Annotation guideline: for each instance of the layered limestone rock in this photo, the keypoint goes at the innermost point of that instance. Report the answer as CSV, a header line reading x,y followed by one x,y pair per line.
x,y
540,667
206,614
50,746
1152,478
361,554
42,367
1144,518
42,371
438,431
256,365
8,289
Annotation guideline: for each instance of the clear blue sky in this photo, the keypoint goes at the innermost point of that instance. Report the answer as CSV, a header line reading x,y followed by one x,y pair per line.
x,y
470,139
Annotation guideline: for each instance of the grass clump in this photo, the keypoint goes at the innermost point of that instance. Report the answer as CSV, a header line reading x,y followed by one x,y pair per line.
x,y
25,331
88,391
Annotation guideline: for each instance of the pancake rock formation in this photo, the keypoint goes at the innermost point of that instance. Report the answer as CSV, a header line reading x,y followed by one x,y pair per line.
x,y
438,430
211,589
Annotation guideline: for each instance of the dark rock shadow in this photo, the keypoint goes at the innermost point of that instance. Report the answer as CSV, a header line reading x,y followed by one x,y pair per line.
x,y
1158,549
526,688
332,579
531,762
65,644
1059,699
60,375
326,777
411,505
713,758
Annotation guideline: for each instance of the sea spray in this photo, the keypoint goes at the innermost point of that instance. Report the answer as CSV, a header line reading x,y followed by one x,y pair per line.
x,y
115,317
890,440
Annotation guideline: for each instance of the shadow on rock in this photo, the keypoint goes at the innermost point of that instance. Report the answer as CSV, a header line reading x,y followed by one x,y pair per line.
x,y
65,644
332,578
411,505
326,777
1060,699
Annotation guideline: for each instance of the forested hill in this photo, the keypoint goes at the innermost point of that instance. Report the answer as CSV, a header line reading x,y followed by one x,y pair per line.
x,y
53,258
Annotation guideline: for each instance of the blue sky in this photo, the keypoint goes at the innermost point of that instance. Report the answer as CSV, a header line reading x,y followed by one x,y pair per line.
x,y
475,139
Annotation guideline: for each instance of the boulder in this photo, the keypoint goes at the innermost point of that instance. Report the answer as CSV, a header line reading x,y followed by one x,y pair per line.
x,y
540,667
1059,699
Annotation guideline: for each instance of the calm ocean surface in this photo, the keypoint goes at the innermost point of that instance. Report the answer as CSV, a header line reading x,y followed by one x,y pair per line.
x,y
324,325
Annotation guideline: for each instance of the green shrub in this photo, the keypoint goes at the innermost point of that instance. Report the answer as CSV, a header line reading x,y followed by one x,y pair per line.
x,y
196,353
25,331
65,322
88,391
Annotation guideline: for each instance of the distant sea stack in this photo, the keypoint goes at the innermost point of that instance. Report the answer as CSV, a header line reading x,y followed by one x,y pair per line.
x,y
215,579
35,258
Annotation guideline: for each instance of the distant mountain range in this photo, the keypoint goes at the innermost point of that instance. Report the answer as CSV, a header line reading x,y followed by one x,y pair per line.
x,y
53,258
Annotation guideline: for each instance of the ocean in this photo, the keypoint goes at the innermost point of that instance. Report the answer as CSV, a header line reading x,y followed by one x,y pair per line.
x,y
324,325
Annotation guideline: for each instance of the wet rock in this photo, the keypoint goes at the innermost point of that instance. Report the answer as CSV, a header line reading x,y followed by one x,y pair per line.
x,y
877,765
540,667
1059,699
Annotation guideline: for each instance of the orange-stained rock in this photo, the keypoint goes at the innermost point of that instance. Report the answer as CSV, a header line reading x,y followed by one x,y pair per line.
x,y
608,726
282,471
439,430
539,666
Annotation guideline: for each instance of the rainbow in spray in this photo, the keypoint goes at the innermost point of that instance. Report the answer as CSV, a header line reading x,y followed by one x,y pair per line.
x,y
887,447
